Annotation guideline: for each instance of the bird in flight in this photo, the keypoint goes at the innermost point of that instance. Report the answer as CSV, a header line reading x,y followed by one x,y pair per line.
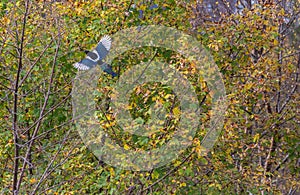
x,y
96,56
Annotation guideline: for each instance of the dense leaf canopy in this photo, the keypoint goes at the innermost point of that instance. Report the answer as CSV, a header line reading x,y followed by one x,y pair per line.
x,y
255,45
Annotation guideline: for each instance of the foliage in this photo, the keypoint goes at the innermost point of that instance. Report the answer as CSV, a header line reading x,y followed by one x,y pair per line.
x,y
255,49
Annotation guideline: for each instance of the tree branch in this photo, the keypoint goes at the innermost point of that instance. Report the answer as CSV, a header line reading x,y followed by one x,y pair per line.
x,y
15,109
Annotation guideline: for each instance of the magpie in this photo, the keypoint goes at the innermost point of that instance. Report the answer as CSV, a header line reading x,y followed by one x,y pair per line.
x,y
96,56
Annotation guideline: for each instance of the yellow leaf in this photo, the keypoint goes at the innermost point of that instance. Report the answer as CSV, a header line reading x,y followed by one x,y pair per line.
x,y
176,111
143,7
201,151
32,180
167,96
112,172
256,137
126,147
183,184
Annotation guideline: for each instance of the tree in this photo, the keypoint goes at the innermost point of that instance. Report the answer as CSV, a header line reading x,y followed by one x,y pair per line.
x,y
261,67
255,45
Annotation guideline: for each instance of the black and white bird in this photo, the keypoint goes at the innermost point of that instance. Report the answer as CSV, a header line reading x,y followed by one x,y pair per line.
x,y
96,56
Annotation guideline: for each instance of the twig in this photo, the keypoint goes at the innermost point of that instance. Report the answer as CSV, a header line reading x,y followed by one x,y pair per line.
x,y
15,109
43,109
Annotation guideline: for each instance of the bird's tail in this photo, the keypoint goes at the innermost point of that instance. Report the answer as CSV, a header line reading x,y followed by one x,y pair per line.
x,y
108,69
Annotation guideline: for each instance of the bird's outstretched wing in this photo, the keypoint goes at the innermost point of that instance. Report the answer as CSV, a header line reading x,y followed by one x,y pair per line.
x,y
94,57
85,64
103,47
